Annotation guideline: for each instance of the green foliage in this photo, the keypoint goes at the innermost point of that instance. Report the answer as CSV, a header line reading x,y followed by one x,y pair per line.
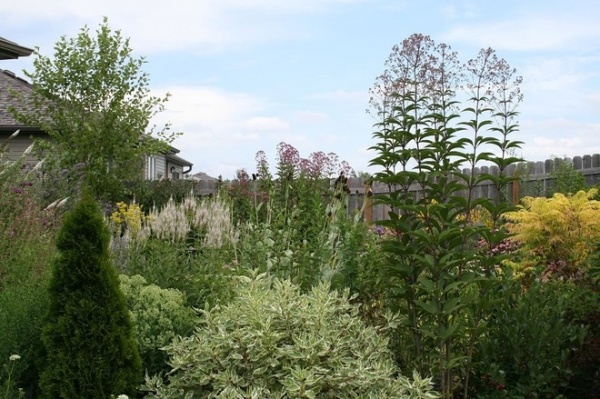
x,y
584,310
158,315
203,280
23,308
290,224
88,338
528,342
360,262
567,180
293,249
190,246
436,275
157,193
274,341
9,369
528,187
94,101
26,242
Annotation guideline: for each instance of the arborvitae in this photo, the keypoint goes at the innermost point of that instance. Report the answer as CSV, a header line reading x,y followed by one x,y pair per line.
x,y
89,347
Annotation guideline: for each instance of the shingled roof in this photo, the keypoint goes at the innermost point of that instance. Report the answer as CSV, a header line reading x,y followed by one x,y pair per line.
x,y
9,82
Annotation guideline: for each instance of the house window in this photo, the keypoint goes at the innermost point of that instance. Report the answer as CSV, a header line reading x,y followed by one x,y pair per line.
x,y
174,173
151,167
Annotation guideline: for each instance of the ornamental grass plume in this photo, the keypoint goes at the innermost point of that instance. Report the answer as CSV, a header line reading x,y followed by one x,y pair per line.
x,y
209,219
169,223
214,217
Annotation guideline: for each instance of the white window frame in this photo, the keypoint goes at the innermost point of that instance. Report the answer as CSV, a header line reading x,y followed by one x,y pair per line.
x,y
151,168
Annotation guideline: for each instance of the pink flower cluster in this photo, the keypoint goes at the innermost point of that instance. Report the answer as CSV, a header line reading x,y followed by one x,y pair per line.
x,y
317,165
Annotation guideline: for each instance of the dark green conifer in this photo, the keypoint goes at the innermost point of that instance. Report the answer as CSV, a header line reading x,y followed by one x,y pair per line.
x,y
89,347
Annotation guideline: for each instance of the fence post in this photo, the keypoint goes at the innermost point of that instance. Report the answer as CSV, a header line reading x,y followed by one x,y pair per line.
x,y
516,188
368,203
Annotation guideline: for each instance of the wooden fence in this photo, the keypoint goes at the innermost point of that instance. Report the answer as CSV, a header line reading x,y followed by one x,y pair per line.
x,y
535,179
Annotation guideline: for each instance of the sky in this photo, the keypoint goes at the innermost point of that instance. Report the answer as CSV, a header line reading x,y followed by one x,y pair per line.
x,y
245,75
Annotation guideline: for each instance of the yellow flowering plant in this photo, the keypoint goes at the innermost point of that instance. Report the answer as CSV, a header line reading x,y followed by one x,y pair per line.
x,y
128,217
557,234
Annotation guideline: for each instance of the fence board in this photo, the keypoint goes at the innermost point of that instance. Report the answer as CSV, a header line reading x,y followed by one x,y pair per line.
x,y
535,179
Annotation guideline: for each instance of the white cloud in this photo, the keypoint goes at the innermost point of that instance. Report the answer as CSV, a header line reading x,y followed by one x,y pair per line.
x,y
461,9
189,105
558,137
190,25
223,129
533,30
209,117
593,101
301,141
561,100
554,73
311,116
244,137
265,124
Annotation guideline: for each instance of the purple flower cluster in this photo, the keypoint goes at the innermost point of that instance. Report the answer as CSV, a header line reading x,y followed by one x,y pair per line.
x,y
318,164
287,155
20,189
262,165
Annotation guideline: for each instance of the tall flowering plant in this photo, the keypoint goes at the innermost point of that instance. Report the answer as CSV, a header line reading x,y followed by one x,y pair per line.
x,y
291,227
424,140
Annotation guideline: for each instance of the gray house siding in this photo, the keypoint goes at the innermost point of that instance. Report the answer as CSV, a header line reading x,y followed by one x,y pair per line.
x,y
17,145
155,167
161,166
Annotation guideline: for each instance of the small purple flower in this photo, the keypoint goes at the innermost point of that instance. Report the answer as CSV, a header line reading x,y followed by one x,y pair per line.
x,y
287,155
379,230
17,190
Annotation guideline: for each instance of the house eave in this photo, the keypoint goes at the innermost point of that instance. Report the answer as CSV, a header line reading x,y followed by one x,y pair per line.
x,y
178,160
11,50
12,128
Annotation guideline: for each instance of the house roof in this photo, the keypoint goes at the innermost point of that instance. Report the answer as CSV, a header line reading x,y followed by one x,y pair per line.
x,y
176,159
11,50
203,176
11,82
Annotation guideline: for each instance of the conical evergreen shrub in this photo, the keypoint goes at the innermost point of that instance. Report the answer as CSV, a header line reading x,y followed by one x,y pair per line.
x,y
89,347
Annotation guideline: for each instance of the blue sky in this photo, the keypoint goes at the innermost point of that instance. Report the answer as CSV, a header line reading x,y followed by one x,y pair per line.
x,y
245,75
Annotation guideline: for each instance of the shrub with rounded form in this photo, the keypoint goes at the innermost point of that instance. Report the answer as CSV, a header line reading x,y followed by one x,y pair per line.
x,y
158,316
88,339
272,341
557,234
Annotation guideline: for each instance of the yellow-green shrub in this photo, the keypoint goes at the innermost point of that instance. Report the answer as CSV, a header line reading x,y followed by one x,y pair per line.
x,y
158,315
557,234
